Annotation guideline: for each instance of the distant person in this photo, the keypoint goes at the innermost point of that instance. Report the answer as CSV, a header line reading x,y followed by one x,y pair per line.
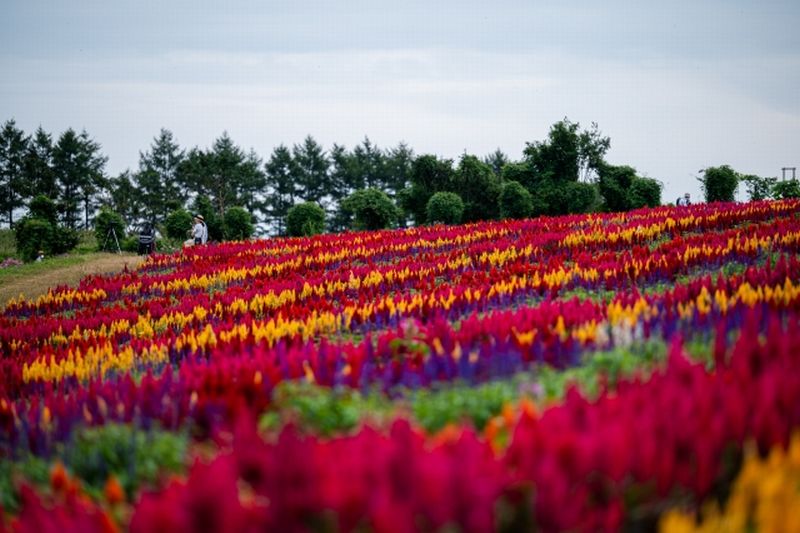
x,y
40,256
200,230
679,201
147,239
687,199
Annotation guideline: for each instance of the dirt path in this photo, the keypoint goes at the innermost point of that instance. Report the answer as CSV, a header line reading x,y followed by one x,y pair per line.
x,y
37,283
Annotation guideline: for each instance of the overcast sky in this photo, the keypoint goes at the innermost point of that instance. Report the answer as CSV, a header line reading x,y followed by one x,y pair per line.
x,y
678,86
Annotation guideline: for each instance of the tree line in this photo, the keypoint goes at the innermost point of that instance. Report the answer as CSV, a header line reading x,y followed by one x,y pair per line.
x,y
564,173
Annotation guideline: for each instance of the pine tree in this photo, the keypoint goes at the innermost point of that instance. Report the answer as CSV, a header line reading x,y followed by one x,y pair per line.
x,y
311,171
78,166
281,187
158,178
39,171
13,190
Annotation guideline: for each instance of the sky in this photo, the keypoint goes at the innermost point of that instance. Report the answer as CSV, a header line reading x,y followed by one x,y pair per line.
x,y
678,86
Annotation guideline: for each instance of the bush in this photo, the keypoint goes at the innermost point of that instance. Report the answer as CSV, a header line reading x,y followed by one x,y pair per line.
x,y
719,184
130,244
44,208
786,189
370,209
106,221
515,201
178,224
65,240
33,235
445,207
238,224
759,188
305,219
644,192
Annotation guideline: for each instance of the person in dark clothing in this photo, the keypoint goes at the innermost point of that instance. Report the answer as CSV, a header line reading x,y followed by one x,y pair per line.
x,y
147,240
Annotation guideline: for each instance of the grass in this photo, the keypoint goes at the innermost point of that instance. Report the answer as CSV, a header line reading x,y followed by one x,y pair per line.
x,y
8,246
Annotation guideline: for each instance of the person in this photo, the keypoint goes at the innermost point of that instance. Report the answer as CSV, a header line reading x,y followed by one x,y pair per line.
x,y
200,230
686,199
40,256
147,239
679,201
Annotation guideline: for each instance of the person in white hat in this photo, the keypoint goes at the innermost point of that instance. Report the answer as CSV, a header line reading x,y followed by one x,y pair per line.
x,y
199,231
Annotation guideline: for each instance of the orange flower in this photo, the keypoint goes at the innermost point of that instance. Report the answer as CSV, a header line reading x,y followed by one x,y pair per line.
x,y
113,491
59,479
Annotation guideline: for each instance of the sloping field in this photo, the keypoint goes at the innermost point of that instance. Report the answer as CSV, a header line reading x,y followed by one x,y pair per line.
x,y
589,372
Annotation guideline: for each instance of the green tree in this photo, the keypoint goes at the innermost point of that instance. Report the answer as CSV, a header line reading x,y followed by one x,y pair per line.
x,y
178,224
644,192
158,178
226,174
370,209
281,187
13,186
122,197
238,224
497,160
371,164
399,167
38,171
759,188
105,222
719,183
479,188
78,166
515,201
305,219
786,189
445,208
429,175
311,166
43,208
568,154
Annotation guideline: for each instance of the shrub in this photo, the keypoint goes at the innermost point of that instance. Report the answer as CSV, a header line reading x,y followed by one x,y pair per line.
x,y
786,189
719,184
479,189
644,192
33,235
65,239
106,221
445,207
130,244
305,219
758,187
238,224
370,209
515,201
178,224
44,208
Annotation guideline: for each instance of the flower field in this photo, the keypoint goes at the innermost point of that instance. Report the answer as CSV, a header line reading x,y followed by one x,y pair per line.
x,y
588,372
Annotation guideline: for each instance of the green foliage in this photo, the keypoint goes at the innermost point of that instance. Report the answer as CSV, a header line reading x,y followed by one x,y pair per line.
x,y
134,456
370,209
719,184
787,189
130,244
445,207
479,188
429,175
34,235
8,245
158,179
106,221
621,189
568,154
32,469
226,174
555,198
13,186
44,208
305,219
78,166
238,224
282,188
644,192
759,188
515,201
178,224
65,239
310,170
